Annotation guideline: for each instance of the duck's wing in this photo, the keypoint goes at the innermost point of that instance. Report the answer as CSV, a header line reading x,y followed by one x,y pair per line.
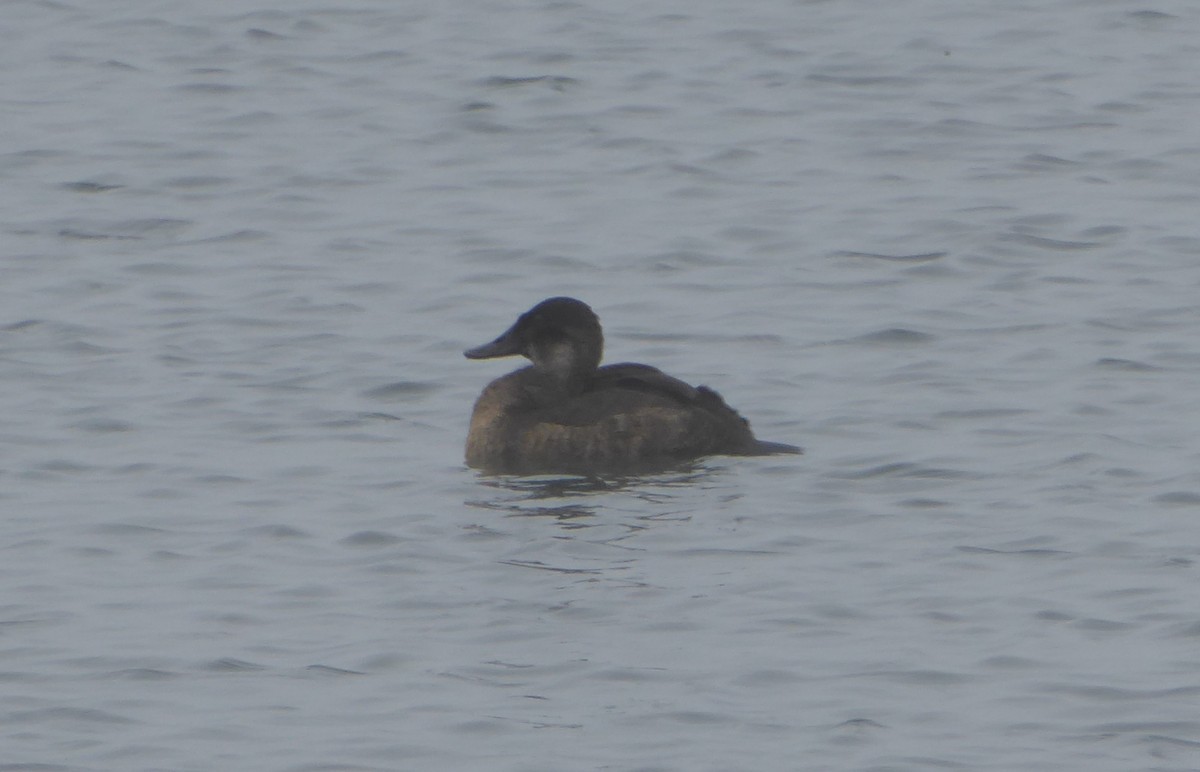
x,y
632,388
633,417
647,380
732,432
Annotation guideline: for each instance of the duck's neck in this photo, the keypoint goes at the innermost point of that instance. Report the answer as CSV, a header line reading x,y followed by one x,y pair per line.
x,y
558,384
565,369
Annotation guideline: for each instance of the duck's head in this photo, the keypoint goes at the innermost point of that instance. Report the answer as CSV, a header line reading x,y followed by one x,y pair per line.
x,y
561,336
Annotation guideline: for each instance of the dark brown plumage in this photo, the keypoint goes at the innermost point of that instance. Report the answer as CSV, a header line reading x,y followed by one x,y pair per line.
x,y
565,414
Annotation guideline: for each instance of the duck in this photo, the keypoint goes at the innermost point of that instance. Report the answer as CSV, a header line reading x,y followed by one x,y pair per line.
x,y
565,414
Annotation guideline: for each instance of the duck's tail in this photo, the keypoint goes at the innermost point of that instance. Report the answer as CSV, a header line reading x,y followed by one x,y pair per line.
x,y
764,448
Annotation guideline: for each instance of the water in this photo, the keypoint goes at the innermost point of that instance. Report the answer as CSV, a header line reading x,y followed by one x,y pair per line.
x,y
950,248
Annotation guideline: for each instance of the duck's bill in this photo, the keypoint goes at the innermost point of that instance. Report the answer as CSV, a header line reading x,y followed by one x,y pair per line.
x,y
507,345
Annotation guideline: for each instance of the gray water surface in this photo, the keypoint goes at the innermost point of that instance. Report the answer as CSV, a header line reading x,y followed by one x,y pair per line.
x,y
951,248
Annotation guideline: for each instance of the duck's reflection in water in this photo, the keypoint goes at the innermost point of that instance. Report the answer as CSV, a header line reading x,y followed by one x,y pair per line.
x,y
575,502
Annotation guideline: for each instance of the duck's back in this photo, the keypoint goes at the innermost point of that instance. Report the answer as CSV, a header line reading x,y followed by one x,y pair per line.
x,y
631,418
